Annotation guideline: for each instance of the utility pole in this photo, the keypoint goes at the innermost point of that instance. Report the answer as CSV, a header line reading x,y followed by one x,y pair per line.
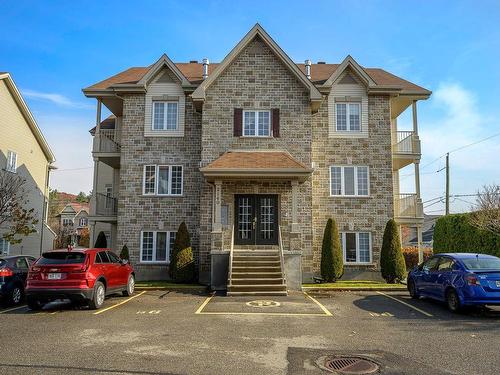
x,y
447,209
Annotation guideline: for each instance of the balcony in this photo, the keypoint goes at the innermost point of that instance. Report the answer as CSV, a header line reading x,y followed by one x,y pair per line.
x,y
406,149
105,208
107,148
408,209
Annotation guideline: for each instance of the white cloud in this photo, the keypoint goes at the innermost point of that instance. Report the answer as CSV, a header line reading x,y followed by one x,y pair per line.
x,y
58,99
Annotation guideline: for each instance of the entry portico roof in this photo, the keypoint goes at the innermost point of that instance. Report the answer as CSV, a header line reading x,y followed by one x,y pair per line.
x,y
256,164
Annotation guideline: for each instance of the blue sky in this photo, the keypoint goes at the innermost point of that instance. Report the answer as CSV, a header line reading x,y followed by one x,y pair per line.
x,y
55,48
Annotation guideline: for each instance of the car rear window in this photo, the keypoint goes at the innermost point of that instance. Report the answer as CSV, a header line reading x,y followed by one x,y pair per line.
x,y
475,264
3,262
62,258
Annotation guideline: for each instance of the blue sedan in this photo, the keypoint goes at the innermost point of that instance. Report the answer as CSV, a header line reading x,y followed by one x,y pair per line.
x,y
459,279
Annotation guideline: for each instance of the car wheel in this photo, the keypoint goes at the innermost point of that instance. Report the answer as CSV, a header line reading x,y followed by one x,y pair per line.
x,y
98,297
412,288
130,286
17,295
453,301
34,303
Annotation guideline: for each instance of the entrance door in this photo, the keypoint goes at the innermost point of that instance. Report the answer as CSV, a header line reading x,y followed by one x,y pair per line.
x,y
256,219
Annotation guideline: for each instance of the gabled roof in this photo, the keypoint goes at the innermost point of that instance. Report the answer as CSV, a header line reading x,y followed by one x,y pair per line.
x,y
350,63
23,107
256,31
162,62
76,207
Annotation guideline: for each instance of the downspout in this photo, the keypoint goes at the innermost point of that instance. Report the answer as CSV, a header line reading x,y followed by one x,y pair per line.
x,y
44,206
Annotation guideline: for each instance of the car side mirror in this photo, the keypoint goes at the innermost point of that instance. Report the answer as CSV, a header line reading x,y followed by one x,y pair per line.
x,y
123,262
425,269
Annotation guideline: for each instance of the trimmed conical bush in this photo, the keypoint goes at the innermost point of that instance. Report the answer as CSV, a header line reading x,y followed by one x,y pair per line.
x,y
182,267
332,263
124,253
392,261
101,242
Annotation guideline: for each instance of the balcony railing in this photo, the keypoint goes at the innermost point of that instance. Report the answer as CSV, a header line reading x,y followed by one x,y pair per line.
x,y
407,142
408,206
106,205
105,141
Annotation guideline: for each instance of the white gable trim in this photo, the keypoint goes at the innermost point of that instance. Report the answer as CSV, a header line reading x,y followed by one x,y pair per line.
x,y
349,62
257,30
163,61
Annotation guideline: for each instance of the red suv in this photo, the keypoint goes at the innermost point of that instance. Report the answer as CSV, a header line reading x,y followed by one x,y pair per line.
x,y
82,275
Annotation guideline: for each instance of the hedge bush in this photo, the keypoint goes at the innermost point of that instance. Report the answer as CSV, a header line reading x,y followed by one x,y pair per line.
x,y
101,242
182,267
124,253
455,234
332,263
411,256
392,262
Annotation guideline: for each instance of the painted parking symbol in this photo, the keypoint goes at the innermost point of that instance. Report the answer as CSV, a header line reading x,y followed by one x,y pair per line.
x,y
381,314
263,303
152,312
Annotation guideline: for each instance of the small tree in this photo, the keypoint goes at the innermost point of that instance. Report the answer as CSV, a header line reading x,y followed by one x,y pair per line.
x,y
84,237
182,266
487,211
332,264
101,242
81,197
392,262
124,253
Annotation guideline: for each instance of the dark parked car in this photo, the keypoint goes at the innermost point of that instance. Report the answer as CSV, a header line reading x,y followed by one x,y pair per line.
x,y
82,275
459,279
13,273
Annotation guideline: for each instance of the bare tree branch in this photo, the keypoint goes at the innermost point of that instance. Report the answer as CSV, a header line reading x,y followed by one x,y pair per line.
x,y
487,211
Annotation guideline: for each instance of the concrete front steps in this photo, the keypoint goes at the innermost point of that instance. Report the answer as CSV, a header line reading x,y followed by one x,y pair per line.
x,y
256,273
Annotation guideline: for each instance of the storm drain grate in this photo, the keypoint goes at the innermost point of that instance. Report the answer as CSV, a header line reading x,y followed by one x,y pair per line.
x,y
349,365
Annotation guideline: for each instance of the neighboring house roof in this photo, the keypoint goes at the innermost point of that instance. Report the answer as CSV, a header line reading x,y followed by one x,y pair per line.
x,y
254,163
76,207
23,107
427,229
107,123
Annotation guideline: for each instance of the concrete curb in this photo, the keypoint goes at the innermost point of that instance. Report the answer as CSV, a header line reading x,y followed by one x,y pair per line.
x,y
354,289
195,288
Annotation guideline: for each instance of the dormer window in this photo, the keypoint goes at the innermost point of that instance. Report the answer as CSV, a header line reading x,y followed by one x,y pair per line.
x,y
256,123
348,117
165,115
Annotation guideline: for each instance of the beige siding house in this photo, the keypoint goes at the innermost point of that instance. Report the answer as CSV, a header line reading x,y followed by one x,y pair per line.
x,y
24,150
254,154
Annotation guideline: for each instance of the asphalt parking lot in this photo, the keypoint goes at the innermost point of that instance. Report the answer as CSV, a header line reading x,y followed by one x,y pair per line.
x,y
159,332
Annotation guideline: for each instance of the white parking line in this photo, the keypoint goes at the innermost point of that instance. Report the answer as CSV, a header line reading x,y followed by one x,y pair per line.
x,y
406,304
12,309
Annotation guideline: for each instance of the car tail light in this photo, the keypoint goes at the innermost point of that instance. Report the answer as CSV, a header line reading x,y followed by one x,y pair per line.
x,y
84,267
6,272
472,280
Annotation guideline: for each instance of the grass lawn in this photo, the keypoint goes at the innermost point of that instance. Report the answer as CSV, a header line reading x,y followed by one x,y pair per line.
x,y
167,285
355,284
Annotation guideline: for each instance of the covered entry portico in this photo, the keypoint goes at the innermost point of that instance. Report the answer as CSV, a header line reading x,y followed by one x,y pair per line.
x,y
255,207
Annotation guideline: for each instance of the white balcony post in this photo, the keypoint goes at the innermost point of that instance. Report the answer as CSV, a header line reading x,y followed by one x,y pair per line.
x,y
98,116
93,199
295,193
419,244
218,204
417,178
415,122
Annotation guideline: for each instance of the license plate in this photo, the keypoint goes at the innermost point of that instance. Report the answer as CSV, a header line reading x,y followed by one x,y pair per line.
x,y
498,283
55,276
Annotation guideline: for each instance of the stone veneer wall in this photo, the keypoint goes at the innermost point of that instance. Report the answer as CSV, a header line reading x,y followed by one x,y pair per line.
x,y
365,214
255,80
137,212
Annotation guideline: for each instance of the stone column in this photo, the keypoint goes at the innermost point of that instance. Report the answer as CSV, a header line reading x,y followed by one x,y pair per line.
x,y
217,226
295,198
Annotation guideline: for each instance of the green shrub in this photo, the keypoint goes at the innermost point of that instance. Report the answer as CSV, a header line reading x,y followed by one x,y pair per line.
x,y
101,242
455,234
182,267
332,264
392,262
124,253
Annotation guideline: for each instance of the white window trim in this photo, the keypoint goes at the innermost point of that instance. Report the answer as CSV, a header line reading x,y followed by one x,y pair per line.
x,y
256,127
154,261
7,251
85,222
11,155
348,118
157,180
342,182
68,221
343,235
164,129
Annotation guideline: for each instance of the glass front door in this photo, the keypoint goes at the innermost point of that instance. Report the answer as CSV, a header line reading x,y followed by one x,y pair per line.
x,y
256,219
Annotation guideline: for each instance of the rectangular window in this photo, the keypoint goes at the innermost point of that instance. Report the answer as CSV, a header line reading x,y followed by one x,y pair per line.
x,y
348,117
356,247
156,247
4,246
165,115
67,222
149,179
349,181
163,180
83,222
256,123
11,161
